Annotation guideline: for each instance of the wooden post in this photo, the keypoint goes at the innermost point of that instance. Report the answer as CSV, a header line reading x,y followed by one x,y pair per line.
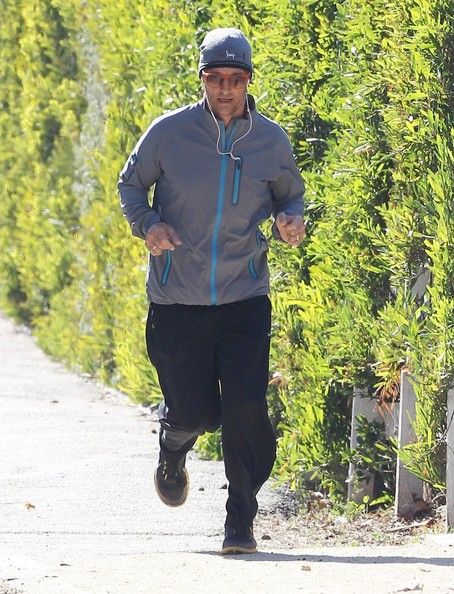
x,y
390,415
450,463
408,486
362,405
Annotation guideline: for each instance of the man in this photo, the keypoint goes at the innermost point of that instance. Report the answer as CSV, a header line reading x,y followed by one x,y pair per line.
x,y
219,169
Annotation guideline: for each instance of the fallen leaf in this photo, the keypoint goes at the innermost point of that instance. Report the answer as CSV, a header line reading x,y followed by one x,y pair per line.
x,y
414,588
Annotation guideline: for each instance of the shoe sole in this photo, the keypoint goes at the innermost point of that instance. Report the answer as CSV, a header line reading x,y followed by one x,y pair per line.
x,y
173,502
237,550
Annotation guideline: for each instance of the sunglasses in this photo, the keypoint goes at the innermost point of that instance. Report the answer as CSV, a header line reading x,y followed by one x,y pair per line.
x,y
234,81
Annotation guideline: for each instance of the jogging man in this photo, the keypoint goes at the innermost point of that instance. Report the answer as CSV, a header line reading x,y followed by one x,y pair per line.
x,y
219,169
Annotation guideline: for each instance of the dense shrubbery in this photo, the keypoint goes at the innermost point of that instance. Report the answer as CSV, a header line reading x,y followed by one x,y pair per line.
x,y
365,91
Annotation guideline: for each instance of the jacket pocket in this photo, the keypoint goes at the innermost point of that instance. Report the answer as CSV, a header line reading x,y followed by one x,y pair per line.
x,y
167,267
252,266
236,181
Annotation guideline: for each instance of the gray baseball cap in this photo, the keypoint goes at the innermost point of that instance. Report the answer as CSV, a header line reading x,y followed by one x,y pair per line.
x,y
225,47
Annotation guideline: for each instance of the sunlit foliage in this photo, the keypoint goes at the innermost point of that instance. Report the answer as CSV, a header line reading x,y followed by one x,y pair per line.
x,y
365,91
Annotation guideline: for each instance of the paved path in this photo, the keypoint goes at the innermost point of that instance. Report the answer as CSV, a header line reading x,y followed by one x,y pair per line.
x,y
78,513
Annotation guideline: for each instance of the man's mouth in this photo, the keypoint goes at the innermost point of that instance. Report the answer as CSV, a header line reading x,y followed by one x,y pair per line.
x,y
225,99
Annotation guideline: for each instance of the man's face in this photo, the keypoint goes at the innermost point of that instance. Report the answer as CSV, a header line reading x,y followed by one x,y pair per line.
x,y
226,90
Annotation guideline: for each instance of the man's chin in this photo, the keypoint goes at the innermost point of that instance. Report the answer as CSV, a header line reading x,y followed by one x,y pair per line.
x,y
224,105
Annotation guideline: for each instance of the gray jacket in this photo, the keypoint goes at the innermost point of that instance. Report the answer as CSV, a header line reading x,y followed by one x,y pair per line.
x,y
214,203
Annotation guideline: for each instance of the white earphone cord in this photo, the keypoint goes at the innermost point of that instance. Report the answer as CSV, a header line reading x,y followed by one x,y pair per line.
x,y
219,130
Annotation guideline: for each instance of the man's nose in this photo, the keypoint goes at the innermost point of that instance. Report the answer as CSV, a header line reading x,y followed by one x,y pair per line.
x,y
225,84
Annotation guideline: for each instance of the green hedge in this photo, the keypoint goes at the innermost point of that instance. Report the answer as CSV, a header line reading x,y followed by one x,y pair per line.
x,y
365,92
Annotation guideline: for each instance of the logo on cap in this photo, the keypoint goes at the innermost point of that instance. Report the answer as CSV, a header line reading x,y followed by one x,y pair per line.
x,y
229,55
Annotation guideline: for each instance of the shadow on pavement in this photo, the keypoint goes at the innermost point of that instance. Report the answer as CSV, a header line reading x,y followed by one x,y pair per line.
x,y
354,559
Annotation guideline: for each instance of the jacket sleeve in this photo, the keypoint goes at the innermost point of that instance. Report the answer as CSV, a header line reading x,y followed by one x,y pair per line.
x,y
139,173
288,186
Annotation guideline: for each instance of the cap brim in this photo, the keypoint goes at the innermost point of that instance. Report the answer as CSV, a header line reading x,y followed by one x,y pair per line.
x,y
229,64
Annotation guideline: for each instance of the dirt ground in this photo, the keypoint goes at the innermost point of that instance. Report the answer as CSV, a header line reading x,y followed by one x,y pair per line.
x,y
325,528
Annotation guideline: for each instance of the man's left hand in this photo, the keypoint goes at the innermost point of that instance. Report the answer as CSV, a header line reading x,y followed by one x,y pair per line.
x,y
292,228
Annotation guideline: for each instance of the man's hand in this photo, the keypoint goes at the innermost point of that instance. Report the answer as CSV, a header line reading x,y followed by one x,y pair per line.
x,y
291,228
161,237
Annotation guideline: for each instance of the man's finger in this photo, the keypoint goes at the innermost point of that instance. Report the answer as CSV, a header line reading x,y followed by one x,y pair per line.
x,y
281,219
294,222
173,236
283,232
151,242
166,244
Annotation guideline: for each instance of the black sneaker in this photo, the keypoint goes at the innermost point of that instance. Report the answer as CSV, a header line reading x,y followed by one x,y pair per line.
x,y
238,541
171,478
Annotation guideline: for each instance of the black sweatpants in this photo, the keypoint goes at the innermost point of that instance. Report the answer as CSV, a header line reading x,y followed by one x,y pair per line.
x,y
212,363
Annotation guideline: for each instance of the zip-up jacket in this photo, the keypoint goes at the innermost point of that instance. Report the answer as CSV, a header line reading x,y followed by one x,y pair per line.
x,y
214,203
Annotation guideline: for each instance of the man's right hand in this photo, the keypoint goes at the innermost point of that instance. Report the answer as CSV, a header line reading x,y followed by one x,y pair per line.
x,y
161,237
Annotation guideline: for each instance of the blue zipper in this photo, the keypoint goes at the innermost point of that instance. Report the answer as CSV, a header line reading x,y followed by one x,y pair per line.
x,y
251,263
220,205
236,180
167,266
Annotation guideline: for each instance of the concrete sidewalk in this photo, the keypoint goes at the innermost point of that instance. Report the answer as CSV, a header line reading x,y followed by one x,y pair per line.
x,y
78,512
